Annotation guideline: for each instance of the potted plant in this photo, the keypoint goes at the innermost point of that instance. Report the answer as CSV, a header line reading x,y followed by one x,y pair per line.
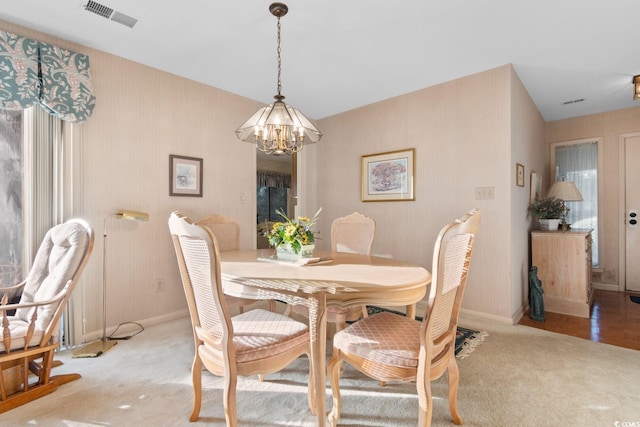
x,y
293,238
547,211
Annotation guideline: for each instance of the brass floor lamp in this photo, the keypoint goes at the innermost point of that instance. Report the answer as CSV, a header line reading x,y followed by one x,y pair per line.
x,y
96,348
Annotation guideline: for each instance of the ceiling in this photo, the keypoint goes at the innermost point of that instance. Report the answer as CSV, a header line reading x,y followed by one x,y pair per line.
x,y
339,55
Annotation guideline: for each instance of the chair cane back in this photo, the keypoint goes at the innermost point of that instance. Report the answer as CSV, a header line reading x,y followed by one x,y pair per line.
x,y
227,232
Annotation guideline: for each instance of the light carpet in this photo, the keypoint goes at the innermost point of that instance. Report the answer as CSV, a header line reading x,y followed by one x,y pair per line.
x,y
519,376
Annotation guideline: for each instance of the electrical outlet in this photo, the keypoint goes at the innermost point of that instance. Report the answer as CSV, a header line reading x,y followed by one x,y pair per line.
x,y
484,193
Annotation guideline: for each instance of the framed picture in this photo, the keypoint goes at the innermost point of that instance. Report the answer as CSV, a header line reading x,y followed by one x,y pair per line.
x,y
185,176
536,187
519,175
388,176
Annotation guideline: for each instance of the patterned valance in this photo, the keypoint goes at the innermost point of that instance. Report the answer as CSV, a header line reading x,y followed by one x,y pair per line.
x,y
58,79
273,179
19,84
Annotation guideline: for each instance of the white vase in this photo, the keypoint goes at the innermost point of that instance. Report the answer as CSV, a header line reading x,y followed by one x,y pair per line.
x,y
286,253
549,224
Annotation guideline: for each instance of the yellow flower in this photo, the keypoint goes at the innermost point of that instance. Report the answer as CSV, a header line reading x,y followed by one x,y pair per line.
x,y
290,230
295,233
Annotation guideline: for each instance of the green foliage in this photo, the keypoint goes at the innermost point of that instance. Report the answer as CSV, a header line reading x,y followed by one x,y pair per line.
x,y
546,208
295,232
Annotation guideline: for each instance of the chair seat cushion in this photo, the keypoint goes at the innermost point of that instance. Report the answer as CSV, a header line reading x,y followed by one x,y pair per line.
x,y
18,329
385,338
62,250
260,333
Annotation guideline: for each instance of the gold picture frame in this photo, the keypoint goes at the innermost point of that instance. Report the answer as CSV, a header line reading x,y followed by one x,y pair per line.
x,y
536,187
519,175
389,176
185,176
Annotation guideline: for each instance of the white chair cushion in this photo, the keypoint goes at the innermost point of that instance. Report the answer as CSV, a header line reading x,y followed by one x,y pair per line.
x,y
56,261
385,338
18,329
260,333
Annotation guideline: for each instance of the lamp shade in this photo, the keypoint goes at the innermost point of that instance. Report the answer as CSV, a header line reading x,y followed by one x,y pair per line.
x,y
279,128
565,190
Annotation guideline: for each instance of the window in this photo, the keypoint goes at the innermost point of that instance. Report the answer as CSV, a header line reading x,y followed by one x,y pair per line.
x,y
581,162
11,196
32,189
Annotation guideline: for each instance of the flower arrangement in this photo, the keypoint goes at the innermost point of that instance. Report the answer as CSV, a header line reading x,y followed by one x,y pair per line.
x,y
546,208
296,233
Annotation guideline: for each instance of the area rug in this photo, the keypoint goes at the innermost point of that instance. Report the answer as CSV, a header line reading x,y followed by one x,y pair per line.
x,y
466,339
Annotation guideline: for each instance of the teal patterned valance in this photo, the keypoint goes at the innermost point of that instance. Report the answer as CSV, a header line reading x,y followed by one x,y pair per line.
x,y
19,84
58,79
66,84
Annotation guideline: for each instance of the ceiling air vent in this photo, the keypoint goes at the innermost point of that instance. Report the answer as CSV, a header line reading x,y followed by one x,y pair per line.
x,y
109,13
573,101
123,19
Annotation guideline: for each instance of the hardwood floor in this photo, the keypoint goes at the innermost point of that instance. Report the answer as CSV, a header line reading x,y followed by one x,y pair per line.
x,y
615,320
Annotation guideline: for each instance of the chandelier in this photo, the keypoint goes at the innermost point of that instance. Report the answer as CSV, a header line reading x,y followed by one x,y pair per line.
x,y
278,128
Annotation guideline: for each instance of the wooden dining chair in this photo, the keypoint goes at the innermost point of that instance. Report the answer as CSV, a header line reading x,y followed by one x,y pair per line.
x,y
353,233
391,347
227,232
255,342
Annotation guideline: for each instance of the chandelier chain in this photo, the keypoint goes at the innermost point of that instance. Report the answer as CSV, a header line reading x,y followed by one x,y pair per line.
x,y
278,128
279,60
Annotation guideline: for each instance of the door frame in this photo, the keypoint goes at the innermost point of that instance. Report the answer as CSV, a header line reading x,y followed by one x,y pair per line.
x,y
622,237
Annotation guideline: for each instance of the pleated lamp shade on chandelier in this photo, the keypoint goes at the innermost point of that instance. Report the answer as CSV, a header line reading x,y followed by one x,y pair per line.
x,y
278,128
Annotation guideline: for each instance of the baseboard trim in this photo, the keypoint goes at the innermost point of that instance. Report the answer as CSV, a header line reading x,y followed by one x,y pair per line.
x,y
606,286
470,313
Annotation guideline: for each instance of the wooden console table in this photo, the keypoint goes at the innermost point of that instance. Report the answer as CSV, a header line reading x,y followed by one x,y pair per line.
x,y
564,268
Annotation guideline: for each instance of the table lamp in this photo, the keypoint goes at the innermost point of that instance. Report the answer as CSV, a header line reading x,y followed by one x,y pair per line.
x,y
567,192
96,348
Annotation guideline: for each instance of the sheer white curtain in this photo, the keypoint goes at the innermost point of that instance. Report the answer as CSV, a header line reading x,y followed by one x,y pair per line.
x,y
579,163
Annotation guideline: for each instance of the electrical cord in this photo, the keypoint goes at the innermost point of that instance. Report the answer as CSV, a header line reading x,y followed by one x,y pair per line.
x,y
111,337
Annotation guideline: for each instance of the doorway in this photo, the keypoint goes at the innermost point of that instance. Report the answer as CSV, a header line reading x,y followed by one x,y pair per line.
x,y
630,208
276,188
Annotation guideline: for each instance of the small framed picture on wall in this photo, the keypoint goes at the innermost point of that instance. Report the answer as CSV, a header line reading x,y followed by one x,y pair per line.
x,y
519,175
185,176
536,187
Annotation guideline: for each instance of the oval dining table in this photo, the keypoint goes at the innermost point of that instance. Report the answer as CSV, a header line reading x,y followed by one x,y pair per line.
x,y
330,279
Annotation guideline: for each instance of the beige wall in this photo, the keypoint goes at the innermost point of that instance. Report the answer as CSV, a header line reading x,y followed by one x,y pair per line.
x,y
608,126
464,138
467,133
142,116
527,148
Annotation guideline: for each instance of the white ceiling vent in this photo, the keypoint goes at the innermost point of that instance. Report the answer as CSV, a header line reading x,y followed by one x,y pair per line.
x,y
573,101
109,13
